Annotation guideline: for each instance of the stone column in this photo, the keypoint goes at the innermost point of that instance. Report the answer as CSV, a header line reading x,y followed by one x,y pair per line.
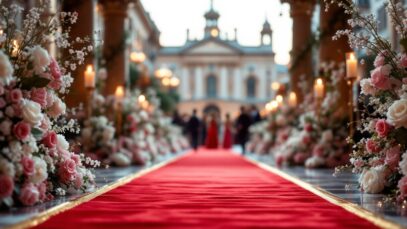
x,y
301,13
223,82
330,50
199,84
185,84
262,83
237,86
114,47
82,28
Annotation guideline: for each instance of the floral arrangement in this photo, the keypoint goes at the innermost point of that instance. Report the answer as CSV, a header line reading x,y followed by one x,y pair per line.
x,y
313,143
36,161
380,156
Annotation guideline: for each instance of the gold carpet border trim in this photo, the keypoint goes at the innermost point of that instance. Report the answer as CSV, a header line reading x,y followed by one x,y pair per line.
x,y
376,219
44,216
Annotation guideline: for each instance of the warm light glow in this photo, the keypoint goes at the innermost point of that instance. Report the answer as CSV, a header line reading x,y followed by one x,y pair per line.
x,y
351,65
279,99
1,32
119,94
275,86
137,57
14,52
166,82
89,77
163,73
214,32
174,82
268,107
141,99
319,88
273,106
292,99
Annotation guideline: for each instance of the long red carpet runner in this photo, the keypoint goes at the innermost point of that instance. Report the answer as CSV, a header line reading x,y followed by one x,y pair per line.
x,y
208,189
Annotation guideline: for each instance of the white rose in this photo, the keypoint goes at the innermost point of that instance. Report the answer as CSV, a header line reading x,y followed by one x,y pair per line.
x,y
120,159
108,133
366,87
40,58
149,128
58,108
7,168
314,162
40,171
62,143
403,164
16,147
31,112
372,180
6,69
397,113
143,115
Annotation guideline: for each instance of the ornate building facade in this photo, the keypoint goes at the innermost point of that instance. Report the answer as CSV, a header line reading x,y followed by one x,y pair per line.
x,y
219,74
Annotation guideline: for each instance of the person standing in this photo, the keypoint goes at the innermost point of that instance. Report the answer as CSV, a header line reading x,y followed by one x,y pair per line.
x,y
255,114
212,135
227,133
193,127
243,123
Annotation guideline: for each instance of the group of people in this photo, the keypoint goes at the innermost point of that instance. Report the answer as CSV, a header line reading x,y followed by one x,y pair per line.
x,y
211,133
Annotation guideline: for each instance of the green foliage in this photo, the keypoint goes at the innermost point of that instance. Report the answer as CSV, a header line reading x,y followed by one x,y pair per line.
x,y
134,75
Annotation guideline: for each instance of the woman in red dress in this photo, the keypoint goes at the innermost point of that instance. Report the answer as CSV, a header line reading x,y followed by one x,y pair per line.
x,y
212,133
227,133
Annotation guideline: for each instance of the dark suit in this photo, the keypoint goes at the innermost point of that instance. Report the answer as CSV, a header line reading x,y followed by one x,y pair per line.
x,y
243,123
193,127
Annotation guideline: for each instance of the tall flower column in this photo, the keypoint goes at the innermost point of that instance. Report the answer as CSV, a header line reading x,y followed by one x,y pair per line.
x,y
83,28
334,50
114,47
301,13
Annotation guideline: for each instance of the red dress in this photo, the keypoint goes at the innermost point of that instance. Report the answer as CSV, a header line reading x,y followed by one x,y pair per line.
x,y
212,136
227,136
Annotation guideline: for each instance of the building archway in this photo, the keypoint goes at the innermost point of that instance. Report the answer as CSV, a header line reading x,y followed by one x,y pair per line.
x,y
211,108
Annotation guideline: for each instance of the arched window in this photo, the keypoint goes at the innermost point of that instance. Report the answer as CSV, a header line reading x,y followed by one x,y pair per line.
x,y
251,87
211,86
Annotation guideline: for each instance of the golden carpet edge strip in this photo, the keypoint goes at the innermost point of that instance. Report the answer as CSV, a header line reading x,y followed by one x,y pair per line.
x,y
45,215
353,208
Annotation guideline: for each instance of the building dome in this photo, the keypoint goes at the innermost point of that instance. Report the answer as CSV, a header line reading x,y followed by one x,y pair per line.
x,y
266,27
212,14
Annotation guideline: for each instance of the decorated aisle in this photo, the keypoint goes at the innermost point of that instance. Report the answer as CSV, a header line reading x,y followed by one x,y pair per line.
x,y
208,189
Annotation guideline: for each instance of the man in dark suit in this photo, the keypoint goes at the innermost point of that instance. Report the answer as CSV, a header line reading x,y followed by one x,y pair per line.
x,y
243,123
193,126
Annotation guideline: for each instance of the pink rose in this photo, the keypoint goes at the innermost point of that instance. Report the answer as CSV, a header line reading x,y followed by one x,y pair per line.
x,y
45,123
308,127
299,158
379,61
39,95
6,186
393,157
42,189
358,163
382,128
28,166
50,139
380,77
306,139
29,194
55,84
76,159
17,110
2,103
78,182
67,170
2,90
16,95
376,162
403,61
372,146
402,185
55,70
318,151
22,130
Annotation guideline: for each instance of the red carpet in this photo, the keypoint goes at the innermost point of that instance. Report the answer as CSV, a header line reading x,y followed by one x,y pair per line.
x,y
209,189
